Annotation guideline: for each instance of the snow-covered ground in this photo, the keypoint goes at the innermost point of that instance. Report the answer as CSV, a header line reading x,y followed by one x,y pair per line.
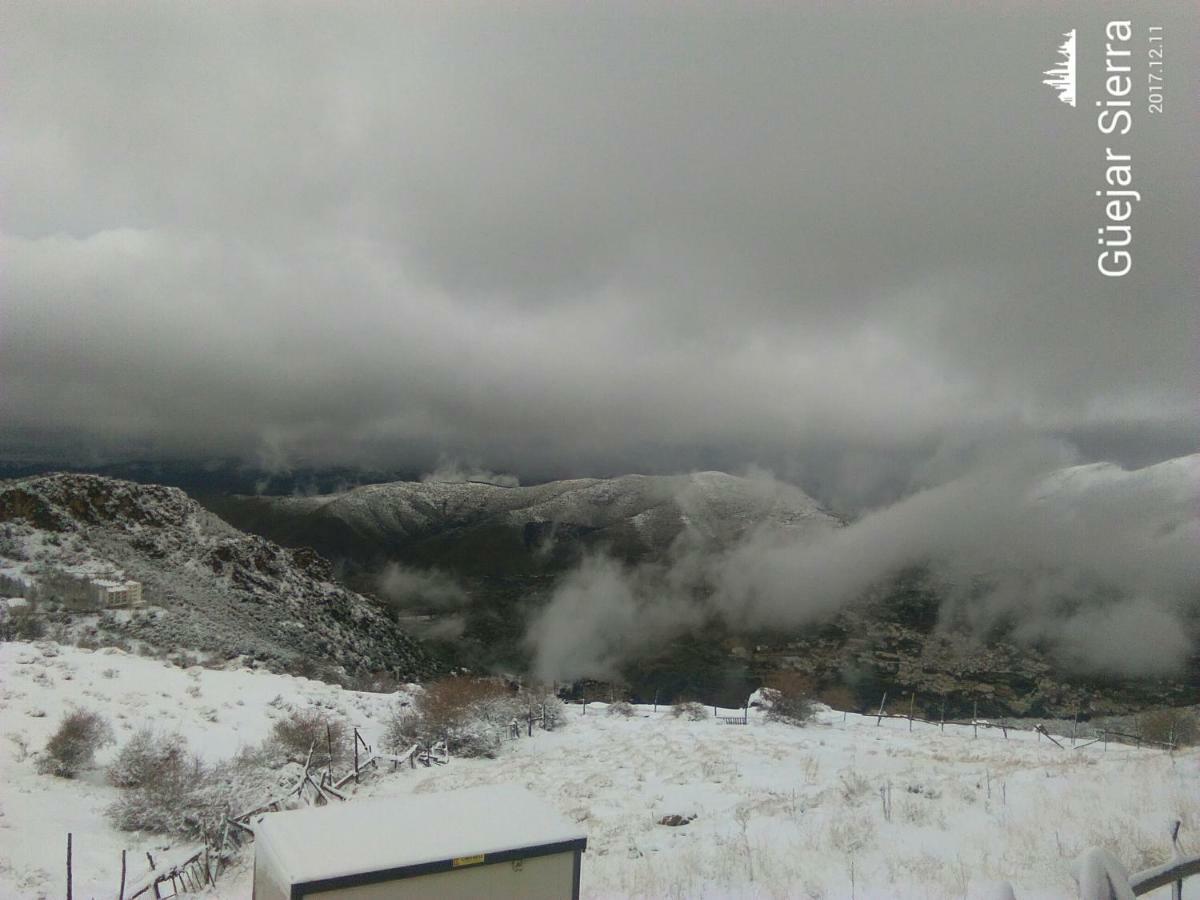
x,y
840,808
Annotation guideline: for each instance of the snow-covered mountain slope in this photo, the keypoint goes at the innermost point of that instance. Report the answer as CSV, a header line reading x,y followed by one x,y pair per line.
x,y
207,586
477,528
837,809
1172,484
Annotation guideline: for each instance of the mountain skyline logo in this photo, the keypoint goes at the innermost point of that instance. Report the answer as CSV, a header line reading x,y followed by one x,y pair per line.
x,y
1062,76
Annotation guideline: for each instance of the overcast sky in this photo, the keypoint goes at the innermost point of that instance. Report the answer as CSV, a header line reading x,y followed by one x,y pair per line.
x,y
844,241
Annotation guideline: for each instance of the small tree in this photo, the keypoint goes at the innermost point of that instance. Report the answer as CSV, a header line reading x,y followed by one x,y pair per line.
x,y
73,747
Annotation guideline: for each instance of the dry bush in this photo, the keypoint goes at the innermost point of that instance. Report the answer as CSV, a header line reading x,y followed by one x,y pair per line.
x,y
161,779
464,712
72,748
148,760
311,729
838,696
1166,725
621,708
177,794
690,710
788,698
541,698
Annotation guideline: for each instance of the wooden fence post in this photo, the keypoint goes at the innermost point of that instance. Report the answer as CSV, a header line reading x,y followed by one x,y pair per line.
x,y
1075,726
881,704
356,754
69,885
943,722
656,699
975,719
121,892
1177,887
329,747
911,703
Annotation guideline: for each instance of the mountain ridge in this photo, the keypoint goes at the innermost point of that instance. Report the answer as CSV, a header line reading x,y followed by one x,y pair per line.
x,y
208,586
525,529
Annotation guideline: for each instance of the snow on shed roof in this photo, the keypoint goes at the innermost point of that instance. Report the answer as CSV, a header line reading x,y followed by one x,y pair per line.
x,y
408,830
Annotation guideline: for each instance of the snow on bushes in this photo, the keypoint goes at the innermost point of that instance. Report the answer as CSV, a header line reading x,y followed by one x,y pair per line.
x,y
311,730
690,710
786,698
469,714
169,790
73,746
148,759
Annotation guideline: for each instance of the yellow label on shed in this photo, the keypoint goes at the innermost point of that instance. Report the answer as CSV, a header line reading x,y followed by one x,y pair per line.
x,y
475,860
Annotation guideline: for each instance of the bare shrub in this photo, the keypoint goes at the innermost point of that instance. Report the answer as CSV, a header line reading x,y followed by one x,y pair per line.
x,y
1181,726
178,795
555,711
148,760
541,699
690,710
160,777
788,699
621,708
310,729
72,748
464,712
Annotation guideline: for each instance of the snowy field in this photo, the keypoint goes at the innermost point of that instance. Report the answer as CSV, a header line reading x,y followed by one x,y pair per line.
x,y
841,808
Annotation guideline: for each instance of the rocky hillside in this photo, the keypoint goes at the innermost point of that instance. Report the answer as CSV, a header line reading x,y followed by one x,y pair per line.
x,y
207,586
473,528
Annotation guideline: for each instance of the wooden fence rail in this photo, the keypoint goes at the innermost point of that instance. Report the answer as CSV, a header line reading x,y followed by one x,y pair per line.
x,y
1173,872
188,874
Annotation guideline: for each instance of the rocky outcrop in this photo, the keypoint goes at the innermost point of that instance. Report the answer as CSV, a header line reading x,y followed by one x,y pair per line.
x,y
210,587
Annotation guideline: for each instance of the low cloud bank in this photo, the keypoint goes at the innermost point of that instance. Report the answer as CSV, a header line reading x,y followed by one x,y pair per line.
x,y
1096,563
408,588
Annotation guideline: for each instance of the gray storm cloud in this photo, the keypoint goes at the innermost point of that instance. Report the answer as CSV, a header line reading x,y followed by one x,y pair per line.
x,y
578,238
1096,562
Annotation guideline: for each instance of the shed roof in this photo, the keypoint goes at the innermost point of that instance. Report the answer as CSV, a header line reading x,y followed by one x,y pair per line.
x,y
404,830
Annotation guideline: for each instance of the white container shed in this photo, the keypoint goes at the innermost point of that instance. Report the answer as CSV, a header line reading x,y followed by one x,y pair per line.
x,y
499,842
